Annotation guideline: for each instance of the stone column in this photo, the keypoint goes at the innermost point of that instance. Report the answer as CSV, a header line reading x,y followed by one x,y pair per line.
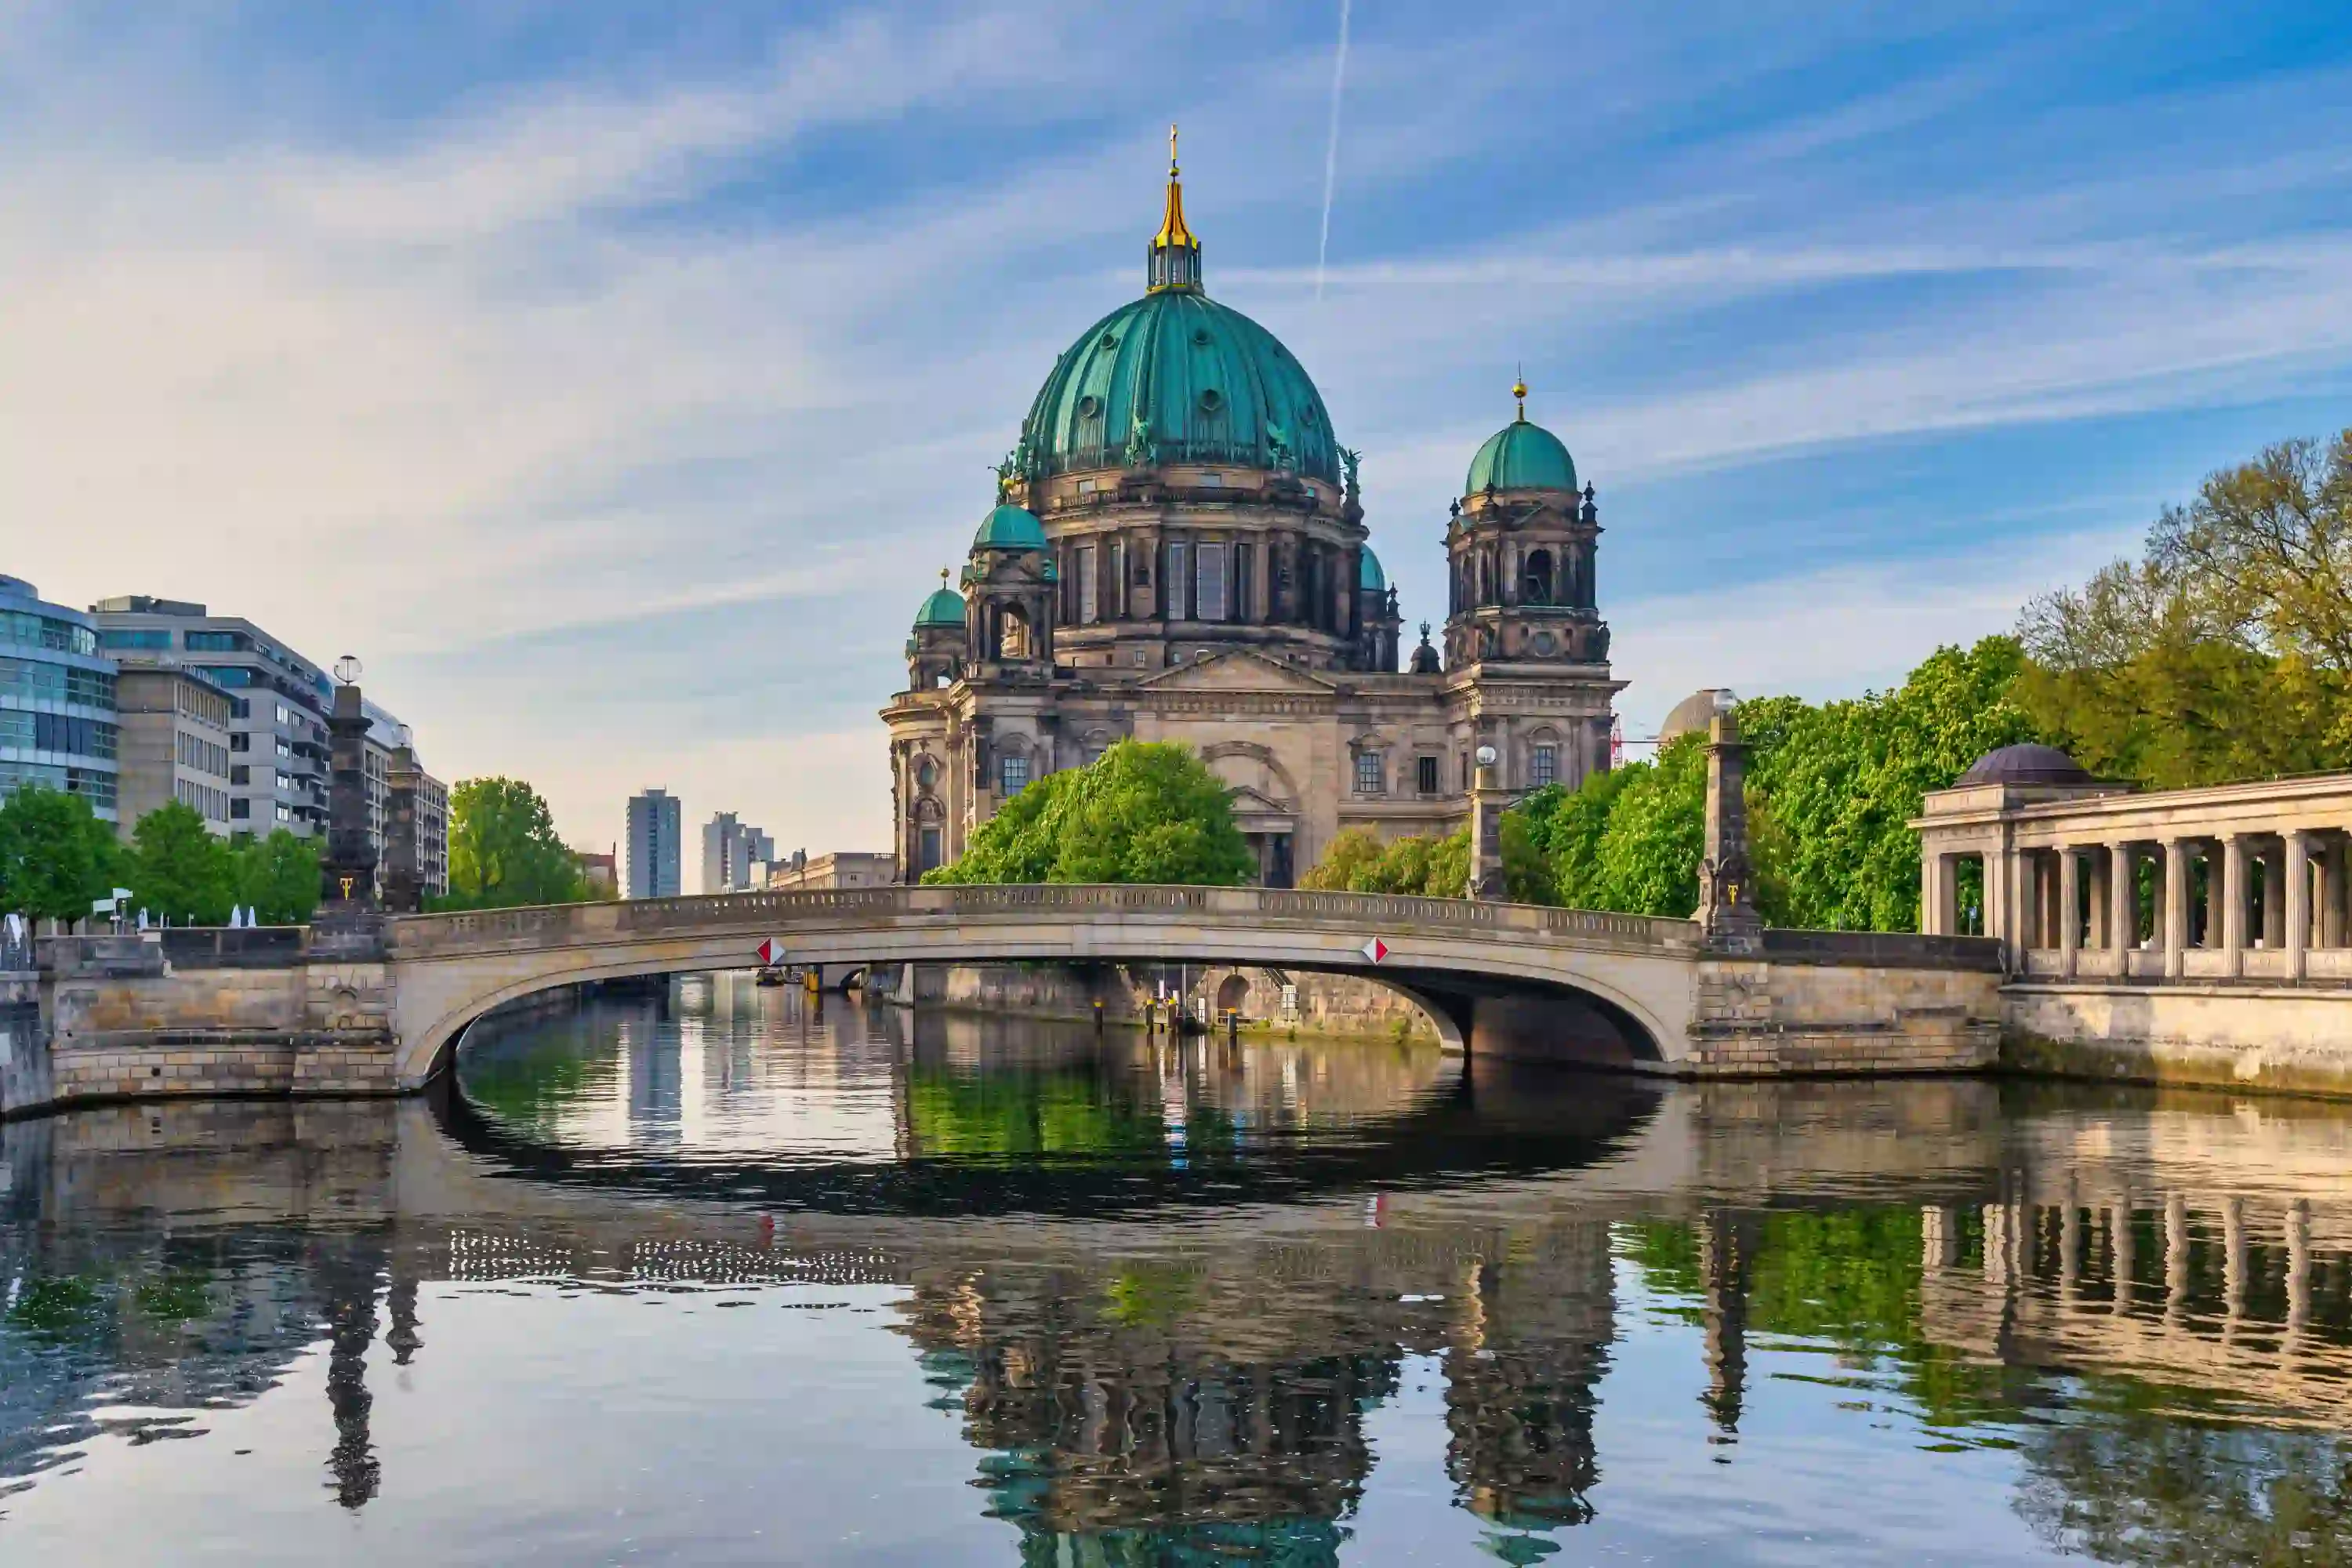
x,y
347,891
2233,903
2020,902
2123,904
2296,907
2070,908
1726,913
1938,895
2172,910
1996,876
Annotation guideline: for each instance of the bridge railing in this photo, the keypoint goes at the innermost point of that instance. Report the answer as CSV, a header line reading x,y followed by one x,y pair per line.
x,y
1376,913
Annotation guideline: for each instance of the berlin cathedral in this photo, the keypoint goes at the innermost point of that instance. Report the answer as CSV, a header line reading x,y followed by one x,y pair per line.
x,y
1178,551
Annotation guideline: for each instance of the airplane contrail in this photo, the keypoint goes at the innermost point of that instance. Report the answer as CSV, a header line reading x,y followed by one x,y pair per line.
x,y
1331,149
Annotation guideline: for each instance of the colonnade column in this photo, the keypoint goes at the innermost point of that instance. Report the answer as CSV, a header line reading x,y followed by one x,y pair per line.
x,y
2232,882
1938,894
1996,893
2123,904
2070,908
2298,900
2172,918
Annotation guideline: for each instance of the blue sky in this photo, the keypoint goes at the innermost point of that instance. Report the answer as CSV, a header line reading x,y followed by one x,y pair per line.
x,y
615,379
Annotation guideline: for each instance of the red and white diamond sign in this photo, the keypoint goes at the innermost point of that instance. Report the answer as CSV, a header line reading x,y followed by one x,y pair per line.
x,y
1376,949
771,952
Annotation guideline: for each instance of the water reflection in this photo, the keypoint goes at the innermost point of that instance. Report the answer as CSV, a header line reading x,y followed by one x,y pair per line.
x,y
1182,1304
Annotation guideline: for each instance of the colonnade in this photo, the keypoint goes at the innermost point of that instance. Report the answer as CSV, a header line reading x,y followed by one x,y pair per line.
x,y
2228,904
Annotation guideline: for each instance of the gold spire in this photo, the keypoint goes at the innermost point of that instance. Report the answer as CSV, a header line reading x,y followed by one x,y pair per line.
x,y
1519,391
1172,231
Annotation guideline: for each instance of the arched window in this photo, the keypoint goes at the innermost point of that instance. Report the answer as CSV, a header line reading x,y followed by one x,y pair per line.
x,y
1013,635
1537,587
1012,772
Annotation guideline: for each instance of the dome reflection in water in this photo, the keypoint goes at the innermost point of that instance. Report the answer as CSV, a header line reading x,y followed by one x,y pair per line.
x,y
717,1278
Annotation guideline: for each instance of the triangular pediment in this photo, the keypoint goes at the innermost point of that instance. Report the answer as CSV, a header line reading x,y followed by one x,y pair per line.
x,y
1249,802
1239,669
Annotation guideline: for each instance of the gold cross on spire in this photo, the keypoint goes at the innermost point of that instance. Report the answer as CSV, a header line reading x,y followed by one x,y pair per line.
x,y
1172,149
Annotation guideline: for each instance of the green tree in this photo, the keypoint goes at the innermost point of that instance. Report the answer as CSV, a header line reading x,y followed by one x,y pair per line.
x,y
1358,861
1841,782
278,877
1144,811
1646,859
504,849
56,856
176,869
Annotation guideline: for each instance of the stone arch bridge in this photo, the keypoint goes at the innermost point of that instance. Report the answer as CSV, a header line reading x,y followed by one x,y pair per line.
x,y
1506,979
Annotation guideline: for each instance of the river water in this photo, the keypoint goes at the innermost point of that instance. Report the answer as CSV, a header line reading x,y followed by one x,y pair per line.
x,y
727,1278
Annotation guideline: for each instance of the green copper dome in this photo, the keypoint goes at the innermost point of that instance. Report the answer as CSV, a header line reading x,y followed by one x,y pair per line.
x,y
1007,528
1521,456
1176,377
943,608
1370,576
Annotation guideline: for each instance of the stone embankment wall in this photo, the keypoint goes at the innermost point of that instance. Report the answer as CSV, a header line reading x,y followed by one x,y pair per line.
x,y
1772,1016
2292,1040
1327,1004
158,1014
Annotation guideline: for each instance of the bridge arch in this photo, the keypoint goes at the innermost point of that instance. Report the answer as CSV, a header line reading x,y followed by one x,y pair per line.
x,y
1478,967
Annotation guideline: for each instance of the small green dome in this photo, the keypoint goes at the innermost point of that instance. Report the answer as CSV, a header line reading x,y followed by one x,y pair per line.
x,y
1521,456
1370,575
943,608
1008,528
1204,383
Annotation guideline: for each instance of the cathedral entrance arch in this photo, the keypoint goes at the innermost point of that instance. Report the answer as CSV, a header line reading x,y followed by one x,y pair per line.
x,y
1265,806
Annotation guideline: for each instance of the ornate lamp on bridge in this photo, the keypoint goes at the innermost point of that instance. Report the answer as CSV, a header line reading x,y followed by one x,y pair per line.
x,y
348,915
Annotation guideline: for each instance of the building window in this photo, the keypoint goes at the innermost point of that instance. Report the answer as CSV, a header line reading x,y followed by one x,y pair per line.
x,y
1543,766
927,854
1368,771
134,639
1114,574
1012,768
213,642
240,810
1212,600
1089,587
285,814
1425,771
1179,578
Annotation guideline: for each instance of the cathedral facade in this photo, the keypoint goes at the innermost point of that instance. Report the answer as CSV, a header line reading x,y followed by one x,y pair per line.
x,y
1179,553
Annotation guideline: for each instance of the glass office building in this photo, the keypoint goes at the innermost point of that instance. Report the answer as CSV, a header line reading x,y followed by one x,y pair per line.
x,y
58,728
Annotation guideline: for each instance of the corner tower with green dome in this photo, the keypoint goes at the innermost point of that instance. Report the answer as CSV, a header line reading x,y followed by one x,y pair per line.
x,y
1177,551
